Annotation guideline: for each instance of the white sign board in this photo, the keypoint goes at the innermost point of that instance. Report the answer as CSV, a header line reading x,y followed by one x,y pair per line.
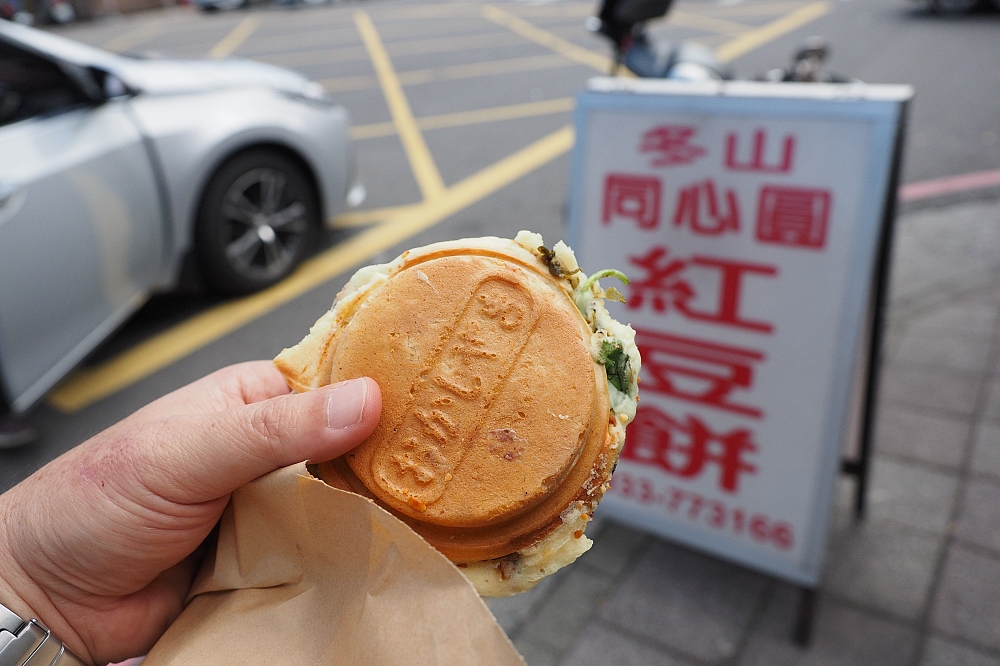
x,y
747,216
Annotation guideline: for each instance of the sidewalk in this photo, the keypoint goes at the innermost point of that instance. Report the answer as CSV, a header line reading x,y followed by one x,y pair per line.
x,y
918,583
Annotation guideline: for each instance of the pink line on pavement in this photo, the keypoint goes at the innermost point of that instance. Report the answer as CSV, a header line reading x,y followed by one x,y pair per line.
x,y
926,189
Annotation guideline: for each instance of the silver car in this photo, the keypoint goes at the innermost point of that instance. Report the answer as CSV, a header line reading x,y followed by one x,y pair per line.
x,y
118,175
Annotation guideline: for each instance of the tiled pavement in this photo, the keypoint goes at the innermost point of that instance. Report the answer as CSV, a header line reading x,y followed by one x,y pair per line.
x,y
916,584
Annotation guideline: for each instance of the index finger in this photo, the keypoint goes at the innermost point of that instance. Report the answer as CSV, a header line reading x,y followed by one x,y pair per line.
x,y
227,388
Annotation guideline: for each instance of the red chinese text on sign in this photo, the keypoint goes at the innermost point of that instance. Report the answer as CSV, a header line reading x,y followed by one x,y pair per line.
x,y
697,371
671,145
664,286
793,216
633,198
684,447
700,210
757,158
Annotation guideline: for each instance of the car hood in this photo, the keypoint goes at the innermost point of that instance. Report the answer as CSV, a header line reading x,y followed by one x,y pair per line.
x,y
164,77
156,76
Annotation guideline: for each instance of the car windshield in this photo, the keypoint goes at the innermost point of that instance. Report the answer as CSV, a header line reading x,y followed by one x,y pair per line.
x,y
32,86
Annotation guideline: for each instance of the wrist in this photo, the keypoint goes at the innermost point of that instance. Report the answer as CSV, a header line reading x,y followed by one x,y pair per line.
x,y
28,642
21,594
14,581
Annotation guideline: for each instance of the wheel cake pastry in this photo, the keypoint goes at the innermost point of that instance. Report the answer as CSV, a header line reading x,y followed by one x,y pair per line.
x,y
506,388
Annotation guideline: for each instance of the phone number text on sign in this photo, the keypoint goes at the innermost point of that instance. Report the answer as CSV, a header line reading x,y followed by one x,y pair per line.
x,y
696,508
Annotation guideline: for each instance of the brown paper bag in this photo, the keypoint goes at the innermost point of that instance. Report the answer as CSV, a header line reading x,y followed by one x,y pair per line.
x,y
307,574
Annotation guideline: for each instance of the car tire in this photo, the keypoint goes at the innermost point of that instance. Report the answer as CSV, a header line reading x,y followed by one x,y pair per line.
x,y
953,7
258,218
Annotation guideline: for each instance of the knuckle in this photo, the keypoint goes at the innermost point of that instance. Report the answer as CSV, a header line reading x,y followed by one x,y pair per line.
x,y
267,429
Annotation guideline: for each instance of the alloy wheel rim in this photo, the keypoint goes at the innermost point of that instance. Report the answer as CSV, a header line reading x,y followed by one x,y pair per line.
x,y
264,224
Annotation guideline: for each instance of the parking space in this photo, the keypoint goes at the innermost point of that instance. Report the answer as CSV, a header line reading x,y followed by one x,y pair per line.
x,y
451,103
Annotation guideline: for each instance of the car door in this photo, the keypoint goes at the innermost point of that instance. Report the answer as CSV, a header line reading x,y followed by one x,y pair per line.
x,y
81,229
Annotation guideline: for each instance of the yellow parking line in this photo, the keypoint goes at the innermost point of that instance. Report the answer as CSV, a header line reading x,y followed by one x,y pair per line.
x,y
88,385
477,69
136,36
557,10
547,39
303,39
459,43
360,218
453,72
426,11
236,36
421,160
345,83
749,41
324,56
707,23
754,9
476,117
402,48
371,130
497,113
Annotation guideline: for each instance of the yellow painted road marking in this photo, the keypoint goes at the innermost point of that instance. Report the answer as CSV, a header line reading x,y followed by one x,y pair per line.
x,y
88,385
559,10
547,39
476,117
427,11
403,48
421,161
319,36
751,40
315,56
754,8
360,218
707,23
136,36
345,83
236,36
477,69
497,113
373,130
304,39
453,72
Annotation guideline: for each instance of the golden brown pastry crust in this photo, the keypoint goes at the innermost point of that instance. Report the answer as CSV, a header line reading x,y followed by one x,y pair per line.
x,y
412,329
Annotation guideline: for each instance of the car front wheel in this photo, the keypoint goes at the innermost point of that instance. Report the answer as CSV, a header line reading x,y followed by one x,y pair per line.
x,y
257,219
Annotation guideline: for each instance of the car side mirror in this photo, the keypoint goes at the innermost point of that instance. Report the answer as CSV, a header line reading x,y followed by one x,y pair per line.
x,y
109,85
115,87
96,84
84,80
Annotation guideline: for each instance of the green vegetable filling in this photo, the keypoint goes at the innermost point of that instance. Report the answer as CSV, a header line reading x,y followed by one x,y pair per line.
x,y
615,361
607,272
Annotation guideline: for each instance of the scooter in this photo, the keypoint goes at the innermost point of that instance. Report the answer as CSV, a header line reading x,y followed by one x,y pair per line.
x,y
624,23
807,66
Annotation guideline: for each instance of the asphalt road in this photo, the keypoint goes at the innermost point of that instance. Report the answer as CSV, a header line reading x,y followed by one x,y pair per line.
x,y
488,93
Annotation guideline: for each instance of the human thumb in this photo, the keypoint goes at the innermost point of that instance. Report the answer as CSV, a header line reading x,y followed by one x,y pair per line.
x,y
204,457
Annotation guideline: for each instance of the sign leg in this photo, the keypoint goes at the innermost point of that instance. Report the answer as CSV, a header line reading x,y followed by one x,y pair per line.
x,y
802,634
879,305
